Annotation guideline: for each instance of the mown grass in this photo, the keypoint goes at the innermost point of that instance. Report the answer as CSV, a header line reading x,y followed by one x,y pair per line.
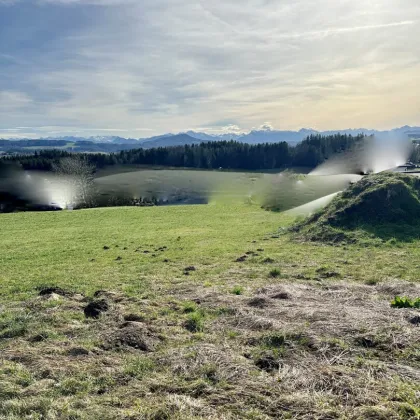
x,y
294,330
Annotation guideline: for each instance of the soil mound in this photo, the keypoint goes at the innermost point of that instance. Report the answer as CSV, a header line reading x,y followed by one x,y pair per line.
x,y
46,291
96,308
132,334
383,205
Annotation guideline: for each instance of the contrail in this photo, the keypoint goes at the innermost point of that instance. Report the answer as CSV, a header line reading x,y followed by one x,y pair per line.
x,y
333,31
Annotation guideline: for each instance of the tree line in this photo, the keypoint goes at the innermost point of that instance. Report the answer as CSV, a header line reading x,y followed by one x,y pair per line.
x,y
208,155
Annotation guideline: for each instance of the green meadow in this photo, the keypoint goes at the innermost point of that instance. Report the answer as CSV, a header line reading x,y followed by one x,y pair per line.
x,y
208,312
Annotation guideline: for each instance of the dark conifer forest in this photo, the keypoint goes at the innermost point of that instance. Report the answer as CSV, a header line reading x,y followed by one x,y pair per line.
x,y
208,155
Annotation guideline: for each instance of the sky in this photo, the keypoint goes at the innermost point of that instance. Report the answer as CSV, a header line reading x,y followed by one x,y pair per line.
x,y
137,68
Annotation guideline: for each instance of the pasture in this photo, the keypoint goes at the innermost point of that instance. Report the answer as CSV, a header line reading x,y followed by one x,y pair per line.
x,y
280,190
201,312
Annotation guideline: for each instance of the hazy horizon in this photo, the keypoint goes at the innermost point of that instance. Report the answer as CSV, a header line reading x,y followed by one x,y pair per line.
x,y
191,132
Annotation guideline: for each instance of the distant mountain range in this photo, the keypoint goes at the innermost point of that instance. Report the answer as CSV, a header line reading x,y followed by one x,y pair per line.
x,y
114,143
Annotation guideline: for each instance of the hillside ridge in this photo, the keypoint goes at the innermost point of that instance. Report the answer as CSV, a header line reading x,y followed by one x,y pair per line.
x,y
379,203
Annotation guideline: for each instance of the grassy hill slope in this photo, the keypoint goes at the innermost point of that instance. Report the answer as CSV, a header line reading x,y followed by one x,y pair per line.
x,y
384,206
205,312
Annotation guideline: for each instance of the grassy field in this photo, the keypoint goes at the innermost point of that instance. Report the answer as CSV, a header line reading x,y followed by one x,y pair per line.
x,y
207,312
285,190
120,169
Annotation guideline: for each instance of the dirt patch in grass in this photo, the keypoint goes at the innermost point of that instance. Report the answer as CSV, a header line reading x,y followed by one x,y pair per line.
x,y
259,302
134,318
78,352
46,291
96,308
280,296
130,334
268,363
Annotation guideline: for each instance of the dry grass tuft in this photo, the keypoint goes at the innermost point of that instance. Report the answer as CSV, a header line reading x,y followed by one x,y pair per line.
x,y
300,350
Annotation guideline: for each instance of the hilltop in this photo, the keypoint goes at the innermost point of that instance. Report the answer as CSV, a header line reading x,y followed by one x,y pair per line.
x,y
384,205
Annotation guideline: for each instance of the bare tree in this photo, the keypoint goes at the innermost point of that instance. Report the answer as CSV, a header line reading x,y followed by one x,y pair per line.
x,y
77,173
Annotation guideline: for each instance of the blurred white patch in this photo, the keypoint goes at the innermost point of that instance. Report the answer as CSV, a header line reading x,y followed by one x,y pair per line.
x,y
313,206
373,155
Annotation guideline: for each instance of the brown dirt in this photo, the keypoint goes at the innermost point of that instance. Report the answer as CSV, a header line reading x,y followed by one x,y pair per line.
x,y
54,290
96,308
132,334
280,296
267,363
259,302
134,318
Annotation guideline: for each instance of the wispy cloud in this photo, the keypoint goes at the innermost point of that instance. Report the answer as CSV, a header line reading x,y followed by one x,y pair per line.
x,y
335,31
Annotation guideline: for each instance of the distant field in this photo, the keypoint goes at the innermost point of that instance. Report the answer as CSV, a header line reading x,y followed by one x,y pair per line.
x,y
66,147
119,169
285,189
211,314
23,149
